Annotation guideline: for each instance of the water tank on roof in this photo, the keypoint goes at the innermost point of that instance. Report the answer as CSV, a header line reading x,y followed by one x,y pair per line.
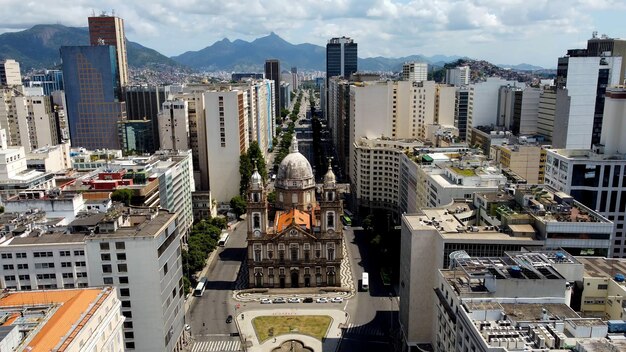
x,y
619,278
456,255
560,256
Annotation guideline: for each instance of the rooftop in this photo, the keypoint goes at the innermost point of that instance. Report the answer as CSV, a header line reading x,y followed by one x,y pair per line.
x,y
38,238
293,216
603,267
59,316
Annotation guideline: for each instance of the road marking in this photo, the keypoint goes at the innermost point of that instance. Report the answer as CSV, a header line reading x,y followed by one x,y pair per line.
x,y
216,346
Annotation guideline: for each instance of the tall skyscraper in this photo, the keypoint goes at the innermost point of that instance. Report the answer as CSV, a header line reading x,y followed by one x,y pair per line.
x,y
272,72
92,95
341,57
603,45
109,30
10,73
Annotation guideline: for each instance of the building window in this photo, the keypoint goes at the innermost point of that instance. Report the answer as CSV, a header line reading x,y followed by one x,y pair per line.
x,y
123,279
330,220
603,286
80,252
105,256
80,263
104,246
108,280
121,256
7,256
120,245
257,252
256,221
20,255
64,253
128,325
126,304
330,251
294,252
122,268
22,266
124,292
24,277
106,268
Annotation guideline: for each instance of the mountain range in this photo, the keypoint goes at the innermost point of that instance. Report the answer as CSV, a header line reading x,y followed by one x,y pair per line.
x,y
38,47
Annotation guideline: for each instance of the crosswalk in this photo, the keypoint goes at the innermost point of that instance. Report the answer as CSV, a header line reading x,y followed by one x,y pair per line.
x,y
216,346
363,330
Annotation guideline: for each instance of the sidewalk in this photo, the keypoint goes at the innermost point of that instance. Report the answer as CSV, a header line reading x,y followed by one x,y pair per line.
x,y
248,336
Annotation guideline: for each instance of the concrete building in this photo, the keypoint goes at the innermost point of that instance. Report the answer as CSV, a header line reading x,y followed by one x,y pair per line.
x,y
613,126
603,46
415,71
341,57
458,76
93,97
461,108
595,179
546,113
143,103
285,95
515,303
10,73
483,101
86,320
14,173
518,109
109,30
226,115
174,125
137,250
50,159
272,72
526,161
305,235
137,136
586,79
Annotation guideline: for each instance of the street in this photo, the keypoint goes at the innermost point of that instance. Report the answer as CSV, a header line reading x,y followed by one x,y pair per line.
x,y
208,314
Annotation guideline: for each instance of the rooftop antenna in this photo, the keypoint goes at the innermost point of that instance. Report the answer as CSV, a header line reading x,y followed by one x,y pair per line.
x,y
93,13
113,12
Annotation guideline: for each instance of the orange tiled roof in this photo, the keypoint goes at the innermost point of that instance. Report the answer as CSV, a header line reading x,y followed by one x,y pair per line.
x,y
73,304
285,219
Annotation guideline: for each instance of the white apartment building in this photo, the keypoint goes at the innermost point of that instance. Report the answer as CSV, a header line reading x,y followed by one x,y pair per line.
x,y
10,73
174,125
50,159
518,109
400,110
613,124
14,175
85,320
54,203
483,102
458,76
596,180
547,111
226,115
376,182
137,251
415,71
580,76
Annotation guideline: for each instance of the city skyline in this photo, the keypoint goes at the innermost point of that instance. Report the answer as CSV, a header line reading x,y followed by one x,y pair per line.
x,y
391,28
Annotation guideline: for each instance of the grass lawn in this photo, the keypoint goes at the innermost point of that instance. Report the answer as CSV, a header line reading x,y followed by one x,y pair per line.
x,y
269,326
463,172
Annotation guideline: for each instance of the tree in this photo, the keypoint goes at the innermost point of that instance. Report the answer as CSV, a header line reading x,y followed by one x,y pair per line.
x,y
238,205
284,112
255,154
245,170
368,223
218,222
122,195
271,197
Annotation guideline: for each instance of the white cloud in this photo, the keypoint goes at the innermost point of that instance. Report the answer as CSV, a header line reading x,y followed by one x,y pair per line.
x,y
381,27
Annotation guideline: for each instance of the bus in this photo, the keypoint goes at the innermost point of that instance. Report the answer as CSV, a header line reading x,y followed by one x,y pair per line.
x,y
365,282
346,220
199,290
223,239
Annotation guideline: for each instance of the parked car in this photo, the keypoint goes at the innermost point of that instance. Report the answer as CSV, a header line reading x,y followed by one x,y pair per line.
x,y
279,300
308,300
337,300
229,319
294,300
322,300
266,301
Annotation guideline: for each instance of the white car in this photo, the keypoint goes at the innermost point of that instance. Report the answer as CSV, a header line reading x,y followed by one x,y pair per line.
x,y
337,300
279,300
294,300
266,301
322,300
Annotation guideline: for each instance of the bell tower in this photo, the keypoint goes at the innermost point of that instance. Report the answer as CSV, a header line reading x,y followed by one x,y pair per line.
x,y
257,206
331,206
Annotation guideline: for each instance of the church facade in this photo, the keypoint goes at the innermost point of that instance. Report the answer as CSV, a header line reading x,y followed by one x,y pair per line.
x,y
302,245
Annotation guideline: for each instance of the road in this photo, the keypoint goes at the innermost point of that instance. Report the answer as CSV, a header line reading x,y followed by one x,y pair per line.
x,y
373,314
208,314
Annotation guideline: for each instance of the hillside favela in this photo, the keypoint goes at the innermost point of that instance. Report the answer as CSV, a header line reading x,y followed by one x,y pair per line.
x,y
331,176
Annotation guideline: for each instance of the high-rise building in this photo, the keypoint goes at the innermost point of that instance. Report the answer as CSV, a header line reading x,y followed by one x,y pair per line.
x,y
272,72
295,80
415,71
341,57
458,76
109,30
605,46
144,103
461,111
174,125
483,97
137,137
518,109
547,112
93,97
586,79
49,80
10,73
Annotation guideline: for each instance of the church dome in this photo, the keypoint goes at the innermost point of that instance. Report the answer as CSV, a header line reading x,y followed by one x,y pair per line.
x,y
256,181
329,178
295,167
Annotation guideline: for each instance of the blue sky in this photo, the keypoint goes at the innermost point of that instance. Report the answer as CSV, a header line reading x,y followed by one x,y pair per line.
x,y
500,31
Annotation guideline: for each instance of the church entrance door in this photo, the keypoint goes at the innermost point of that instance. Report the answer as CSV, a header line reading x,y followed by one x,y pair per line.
x,y
294,279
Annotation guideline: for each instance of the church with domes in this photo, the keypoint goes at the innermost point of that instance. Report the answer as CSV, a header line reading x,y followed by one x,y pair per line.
x,y
301,244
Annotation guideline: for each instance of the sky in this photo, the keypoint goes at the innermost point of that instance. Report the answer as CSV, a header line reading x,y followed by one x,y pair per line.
x,y
500,31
